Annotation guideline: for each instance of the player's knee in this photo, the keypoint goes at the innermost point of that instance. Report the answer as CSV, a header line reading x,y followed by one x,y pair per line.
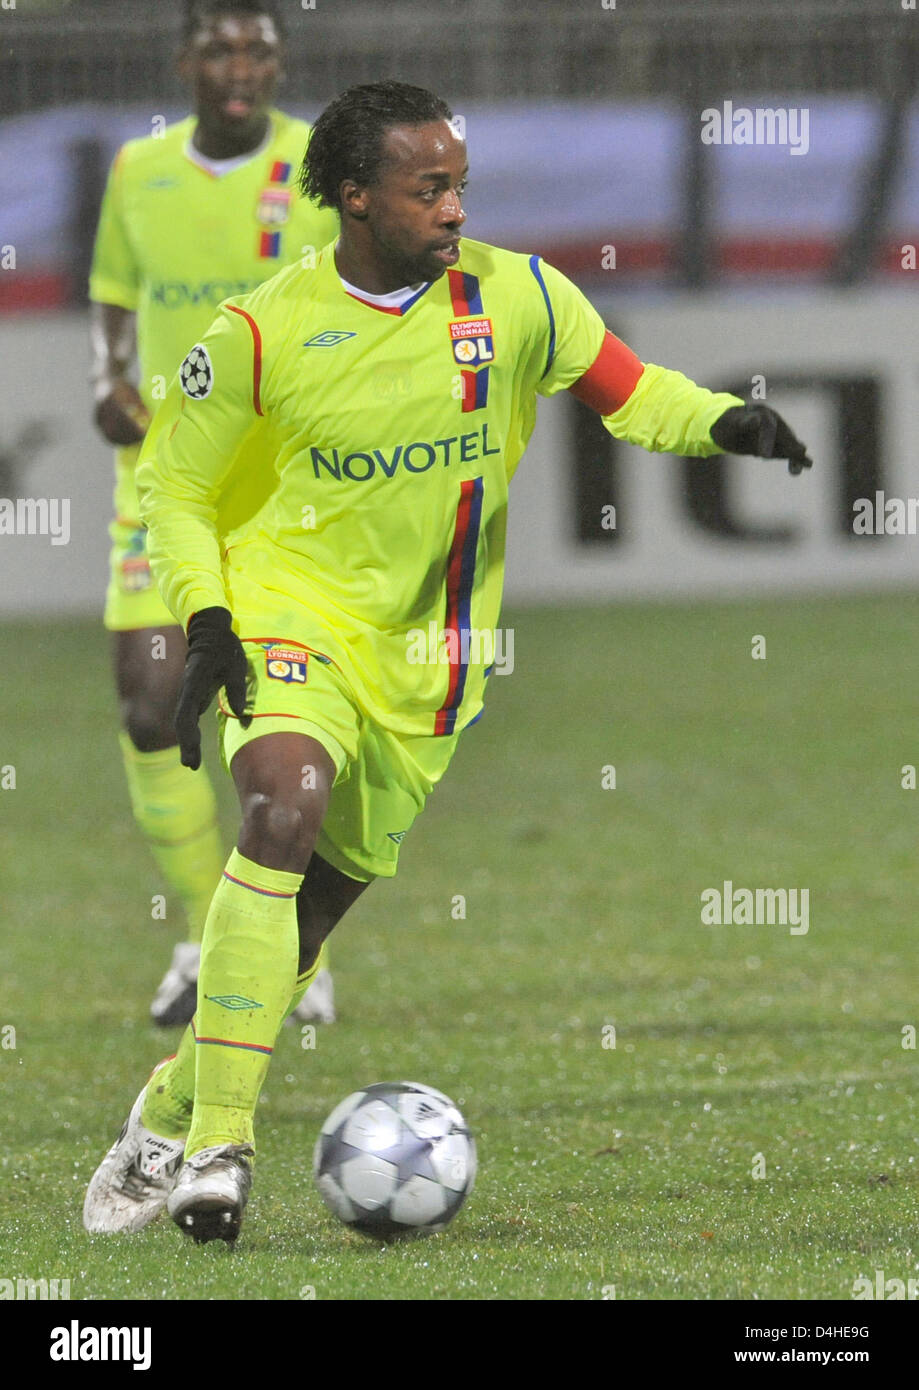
x,y
148,724
279,828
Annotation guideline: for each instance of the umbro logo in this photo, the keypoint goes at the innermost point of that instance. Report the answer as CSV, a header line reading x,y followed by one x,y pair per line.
x,y
233,1001
397,835
330,338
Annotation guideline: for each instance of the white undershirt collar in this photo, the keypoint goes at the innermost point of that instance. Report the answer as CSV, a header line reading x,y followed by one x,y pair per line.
x,y
393,300
219,167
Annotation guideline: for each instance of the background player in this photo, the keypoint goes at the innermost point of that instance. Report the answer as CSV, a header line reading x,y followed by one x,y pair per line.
x,y
206,209
413,503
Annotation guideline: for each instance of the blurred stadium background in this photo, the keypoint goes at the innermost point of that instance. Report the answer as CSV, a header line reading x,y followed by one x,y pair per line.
x,y
748,267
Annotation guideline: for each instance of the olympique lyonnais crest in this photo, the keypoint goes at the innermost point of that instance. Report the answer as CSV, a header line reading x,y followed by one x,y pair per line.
x,y
473,341
286,664
273,207
135,566
135,574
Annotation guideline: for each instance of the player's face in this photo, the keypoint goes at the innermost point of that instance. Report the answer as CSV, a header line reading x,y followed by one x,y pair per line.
x,y
233,63
414,213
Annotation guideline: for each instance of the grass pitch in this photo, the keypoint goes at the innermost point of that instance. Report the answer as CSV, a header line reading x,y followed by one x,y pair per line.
x,y
739,1049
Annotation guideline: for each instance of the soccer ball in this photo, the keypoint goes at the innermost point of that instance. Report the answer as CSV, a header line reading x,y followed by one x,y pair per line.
x,y
395,1158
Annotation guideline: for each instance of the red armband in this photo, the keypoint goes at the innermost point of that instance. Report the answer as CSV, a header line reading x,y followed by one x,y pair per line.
x,y
607,385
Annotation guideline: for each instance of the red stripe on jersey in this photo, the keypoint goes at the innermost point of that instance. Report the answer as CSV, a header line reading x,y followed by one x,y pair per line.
x,y
607,385
256,358
176,424
457,284
383,308
446,715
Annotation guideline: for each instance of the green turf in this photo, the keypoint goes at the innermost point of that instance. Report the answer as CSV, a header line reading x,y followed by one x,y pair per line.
x,y
630,1166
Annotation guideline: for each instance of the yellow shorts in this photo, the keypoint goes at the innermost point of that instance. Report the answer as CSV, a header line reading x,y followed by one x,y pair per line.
x,y
382,778
132,599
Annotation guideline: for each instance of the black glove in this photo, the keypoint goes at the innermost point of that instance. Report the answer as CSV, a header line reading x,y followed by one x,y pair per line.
x,y
758,429
215,658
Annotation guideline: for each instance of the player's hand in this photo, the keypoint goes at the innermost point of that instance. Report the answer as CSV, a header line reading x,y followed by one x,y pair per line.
x,y
758,429
120,415
215,658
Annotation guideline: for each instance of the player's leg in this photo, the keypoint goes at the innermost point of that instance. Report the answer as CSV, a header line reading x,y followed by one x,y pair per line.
x,y
316,1001
134,1180
324,897
177,813
149,663
280,829
249,969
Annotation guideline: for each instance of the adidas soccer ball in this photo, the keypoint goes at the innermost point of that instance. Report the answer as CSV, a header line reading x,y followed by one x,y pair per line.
x,y
395,1158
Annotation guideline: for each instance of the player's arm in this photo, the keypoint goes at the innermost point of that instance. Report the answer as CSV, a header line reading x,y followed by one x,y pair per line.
x,y
656,407
663,410
120,413
211,407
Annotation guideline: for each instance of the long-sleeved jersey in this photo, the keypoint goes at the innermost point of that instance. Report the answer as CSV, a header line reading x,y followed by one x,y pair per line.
x,y
393,433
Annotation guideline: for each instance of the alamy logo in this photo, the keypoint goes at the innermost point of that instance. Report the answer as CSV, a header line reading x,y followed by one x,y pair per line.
x,y
730,906
36,516
763,125
492,648
329,338
28,1289
885,516
76,1343
880,1287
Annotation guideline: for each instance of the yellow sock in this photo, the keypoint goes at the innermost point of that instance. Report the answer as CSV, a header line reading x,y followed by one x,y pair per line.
x,y
169,1101
177,812
171,1093
248,974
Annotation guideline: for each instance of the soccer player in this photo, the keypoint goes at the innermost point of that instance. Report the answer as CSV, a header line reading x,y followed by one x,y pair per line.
x,y
206,208
388,516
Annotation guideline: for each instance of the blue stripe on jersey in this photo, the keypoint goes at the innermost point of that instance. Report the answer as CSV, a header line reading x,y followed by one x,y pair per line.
x,y
481,388
464,598
534,266
473,293
403,308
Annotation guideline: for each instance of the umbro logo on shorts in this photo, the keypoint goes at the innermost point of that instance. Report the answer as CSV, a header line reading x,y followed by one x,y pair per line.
x,y
329,338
